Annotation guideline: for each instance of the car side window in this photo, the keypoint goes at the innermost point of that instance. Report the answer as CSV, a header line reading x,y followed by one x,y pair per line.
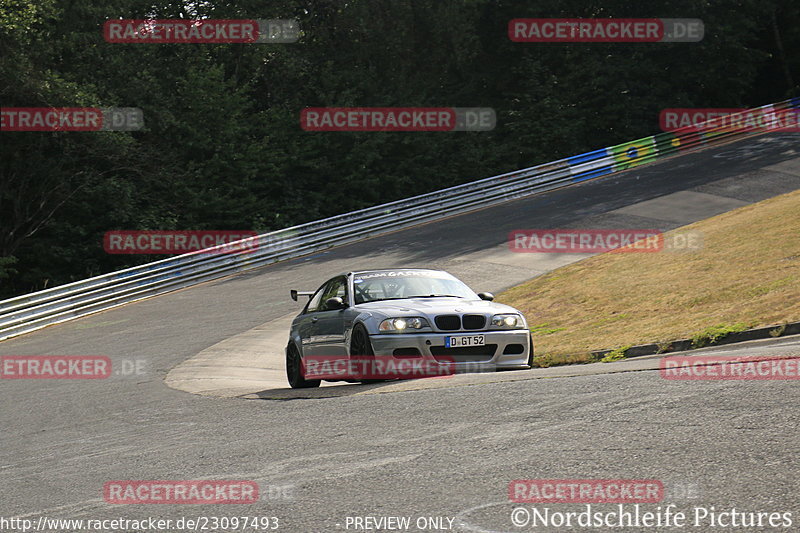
x,y
336,288
314,302
333,288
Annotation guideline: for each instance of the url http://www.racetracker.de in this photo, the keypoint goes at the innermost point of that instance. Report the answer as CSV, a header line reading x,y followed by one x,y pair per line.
x,y
113,525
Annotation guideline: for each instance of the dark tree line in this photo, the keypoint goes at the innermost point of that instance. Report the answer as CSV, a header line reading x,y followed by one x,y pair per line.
x,y
223,147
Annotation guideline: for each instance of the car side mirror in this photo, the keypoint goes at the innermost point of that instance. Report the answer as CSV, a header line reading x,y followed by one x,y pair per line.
x,y
334,303
488,296
295,293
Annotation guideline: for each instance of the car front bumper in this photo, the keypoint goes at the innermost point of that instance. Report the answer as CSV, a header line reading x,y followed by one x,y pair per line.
x,y
503,350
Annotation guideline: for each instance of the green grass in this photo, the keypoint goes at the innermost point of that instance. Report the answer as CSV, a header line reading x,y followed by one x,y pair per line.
x,y
712,334
615,355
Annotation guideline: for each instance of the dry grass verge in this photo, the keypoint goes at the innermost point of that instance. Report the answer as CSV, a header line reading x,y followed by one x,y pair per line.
x,y
747,274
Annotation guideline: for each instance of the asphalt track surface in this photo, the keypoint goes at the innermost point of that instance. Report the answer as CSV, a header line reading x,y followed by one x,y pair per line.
x,y
449,451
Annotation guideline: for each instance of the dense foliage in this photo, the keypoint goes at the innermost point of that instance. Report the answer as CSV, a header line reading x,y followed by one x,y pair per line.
x,y
223,148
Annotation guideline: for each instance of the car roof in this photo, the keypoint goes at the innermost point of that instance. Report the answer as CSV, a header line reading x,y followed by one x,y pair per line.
x,y
394,270
356,272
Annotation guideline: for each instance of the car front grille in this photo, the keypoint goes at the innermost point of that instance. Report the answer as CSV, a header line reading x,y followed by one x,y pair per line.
x,y
474,321
456,322
448,322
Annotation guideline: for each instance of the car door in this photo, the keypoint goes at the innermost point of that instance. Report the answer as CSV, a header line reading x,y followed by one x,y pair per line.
x,y
308,319
327,331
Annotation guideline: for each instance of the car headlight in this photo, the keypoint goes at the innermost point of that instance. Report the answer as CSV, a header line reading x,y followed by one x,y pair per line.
x,y
403,324
506,321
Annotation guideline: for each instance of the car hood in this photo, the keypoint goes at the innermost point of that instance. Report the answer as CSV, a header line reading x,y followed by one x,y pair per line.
x,y
434,306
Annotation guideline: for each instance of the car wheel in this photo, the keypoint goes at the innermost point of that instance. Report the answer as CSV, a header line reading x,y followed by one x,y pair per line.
x,y
361,346
294,370
530,354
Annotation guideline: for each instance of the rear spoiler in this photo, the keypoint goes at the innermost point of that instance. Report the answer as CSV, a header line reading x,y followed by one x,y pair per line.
x,y
295,294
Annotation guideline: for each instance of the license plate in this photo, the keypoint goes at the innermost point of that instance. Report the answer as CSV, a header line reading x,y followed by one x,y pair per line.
x,y
464,340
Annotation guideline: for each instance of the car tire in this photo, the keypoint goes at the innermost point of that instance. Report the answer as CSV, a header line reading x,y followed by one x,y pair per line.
x,y
361,346
294,370
359,342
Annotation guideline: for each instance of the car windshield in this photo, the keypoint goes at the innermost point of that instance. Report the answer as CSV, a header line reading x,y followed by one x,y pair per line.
x,y
400,284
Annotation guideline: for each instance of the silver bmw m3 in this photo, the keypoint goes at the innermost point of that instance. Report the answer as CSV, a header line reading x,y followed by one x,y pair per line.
x,y
401,316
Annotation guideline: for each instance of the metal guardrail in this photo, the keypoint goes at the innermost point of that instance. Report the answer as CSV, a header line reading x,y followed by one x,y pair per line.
x,y
33,311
